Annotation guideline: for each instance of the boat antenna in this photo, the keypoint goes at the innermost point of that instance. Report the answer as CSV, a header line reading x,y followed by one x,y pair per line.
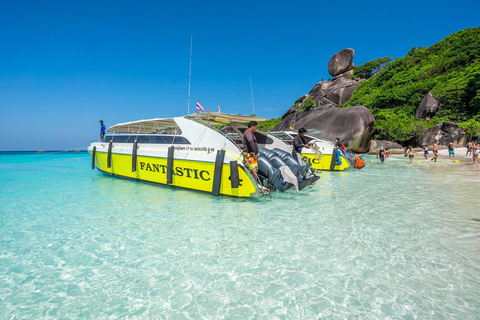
x,y
251,90
190,75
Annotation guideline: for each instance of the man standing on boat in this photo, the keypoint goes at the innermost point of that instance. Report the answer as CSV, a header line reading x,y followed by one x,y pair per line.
x,y
250,146
249,141
298,144
102,130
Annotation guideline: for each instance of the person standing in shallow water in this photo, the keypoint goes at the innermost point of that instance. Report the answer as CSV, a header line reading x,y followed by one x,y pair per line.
x,y
435,151
381,154
102,130
451,151
425,151
411,154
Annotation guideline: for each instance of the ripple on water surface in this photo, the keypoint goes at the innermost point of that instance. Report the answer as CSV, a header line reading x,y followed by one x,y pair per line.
x,y
391,241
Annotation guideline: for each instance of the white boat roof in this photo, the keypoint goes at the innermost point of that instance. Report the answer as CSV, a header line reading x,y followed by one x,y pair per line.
x,y
223,118
158,124
144,126
309,132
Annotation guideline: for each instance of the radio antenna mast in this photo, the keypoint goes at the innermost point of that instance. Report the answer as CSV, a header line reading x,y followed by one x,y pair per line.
x,y
190,75
251,90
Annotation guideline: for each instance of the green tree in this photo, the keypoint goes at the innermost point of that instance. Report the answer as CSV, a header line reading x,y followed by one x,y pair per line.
x,y
398,126
472,127
368,69
266,126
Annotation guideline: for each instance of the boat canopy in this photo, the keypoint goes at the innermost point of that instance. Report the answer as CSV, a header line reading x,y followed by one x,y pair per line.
x,y
152,126
144,126
223,118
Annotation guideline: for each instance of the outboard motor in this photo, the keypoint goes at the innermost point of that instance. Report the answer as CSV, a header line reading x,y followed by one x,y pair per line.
x,y
266,169
350,157
308,181
297,168
272,173
270,162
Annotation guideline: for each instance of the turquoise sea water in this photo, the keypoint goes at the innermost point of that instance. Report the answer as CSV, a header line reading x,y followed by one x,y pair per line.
x,y
396,241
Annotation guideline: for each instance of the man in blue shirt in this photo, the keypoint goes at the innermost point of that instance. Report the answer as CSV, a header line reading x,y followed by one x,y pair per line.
x,y
102,130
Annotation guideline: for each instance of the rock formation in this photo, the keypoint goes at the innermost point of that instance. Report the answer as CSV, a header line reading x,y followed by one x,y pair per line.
x,y
353,126
447,132
341,62
393,147
318,110
427,108
335,92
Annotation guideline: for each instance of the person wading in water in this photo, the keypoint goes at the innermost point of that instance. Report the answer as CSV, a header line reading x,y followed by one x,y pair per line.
x,y
435,151
381,154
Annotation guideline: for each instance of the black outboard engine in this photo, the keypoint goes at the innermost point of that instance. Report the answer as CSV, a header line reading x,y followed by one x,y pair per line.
x,y
269,170
270,162
297,168
350,157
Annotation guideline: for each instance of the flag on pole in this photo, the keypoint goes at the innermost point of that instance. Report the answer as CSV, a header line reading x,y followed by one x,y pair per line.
x,y
218,108
200,107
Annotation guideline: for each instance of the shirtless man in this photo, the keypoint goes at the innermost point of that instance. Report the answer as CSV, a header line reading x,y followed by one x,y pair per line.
x,y
435,151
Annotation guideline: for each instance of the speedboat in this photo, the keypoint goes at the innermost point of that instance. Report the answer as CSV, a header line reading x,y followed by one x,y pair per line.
x,y
322,154
191,152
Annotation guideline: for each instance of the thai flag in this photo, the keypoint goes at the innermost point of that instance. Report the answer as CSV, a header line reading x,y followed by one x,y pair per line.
x,y
200,107
218,108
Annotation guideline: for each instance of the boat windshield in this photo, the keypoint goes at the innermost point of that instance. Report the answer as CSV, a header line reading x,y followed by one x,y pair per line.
x,y
283,136
153,139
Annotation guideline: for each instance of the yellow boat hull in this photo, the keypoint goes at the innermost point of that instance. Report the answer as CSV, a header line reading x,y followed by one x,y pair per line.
x,y
195,175
325,161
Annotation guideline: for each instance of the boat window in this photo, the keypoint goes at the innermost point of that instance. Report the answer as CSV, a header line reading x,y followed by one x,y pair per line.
x,y
157,139
305,137
163,139
283,136
233,136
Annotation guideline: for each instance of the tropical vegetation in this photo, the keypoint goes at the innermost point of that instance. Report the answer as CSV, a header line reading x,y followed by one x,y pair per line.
x,y
392,90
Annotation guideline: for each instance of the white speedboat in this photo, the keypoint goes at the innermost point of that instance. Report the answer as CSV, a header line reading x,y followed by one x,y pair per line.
x,y
323,154
191,152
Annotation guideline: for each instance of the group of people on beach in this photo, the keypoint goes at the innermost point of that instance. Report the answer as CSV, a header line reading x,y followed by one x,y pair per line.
x,y
473,148
451,151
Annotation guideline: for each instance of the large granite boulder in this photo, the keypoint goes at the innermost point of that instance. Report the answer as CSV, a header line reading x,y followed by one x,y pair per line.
x,y
427,108
341,62
446,132
353,126
334,92
393,147
294,114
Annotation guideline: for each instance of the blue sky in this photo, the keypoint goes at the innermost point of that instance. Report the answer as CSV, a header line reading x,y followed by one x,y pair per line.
x,y
64,65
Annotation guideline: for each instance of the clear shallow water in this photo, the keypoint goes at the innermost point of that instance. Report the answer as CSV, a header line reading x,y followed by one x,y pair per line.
x,y
395,241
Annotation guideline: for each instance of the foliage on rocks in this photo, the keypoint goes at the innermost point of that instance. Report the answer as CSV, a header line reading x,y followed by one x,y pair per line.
x,y
449,69
266,126
307,104
367,70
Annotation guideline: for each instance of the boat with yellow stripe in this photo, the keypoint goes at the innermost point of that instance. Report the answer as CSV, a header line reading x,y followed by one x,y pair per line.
x,y
191,152
322,154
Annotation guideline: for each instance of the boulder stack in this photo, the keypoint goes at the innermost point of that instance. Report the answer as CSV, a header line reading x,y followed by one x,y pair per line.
x,y
341,62
427,108
446,132
318,110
